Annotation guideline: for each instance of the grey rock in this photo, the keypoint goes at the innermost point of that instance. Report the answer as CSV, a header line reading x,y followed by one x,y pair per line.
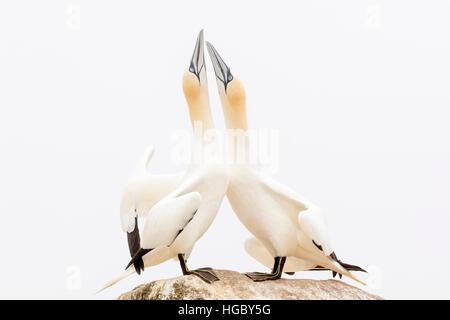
x,y
236,286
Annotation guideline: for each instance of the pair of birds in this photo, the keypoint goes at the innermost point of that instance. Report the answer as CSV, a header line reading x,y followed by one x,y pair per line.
x,y
290,232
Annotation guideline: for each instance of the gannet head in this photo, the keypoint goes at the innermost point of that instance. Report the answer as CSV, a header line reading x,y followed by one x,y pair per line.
x,y
130,203
128,208
137,199
195,88
194,78
231,91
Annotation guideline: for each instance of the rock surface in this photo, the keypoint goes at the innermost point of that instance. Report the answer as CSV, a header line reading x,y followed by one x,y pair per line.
x,y
236,286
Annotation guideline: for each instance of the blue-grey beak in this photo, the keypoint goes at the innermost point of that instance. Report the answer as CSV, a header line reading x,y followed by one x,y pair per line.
x,y
198,58
222,71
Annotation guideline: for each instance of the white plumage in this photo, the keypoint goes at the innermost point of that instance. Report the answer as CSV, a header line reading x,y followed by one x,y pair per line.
x,y
192,200
143,190
168,218
259,252
284,223
189,209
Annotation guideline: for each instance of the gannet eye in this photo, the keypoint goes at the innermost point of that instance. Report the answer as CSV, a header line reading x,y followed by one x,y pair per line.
x,y
230,77
191,69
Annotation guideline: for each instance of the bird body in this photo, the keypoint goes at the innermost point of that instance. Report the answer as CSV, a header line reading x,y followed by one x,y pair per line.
x,y
183,216
178,220
276,216
286,224
262,211
175,222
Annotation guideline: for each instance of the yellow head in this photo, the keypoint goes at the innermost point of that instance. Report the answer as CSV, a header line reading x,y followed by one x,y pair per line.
x,y
231,91
195,86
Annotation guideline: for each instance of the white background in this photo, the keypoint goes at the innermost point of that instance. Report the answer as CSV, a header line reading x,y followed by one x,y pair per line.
x,y
359,91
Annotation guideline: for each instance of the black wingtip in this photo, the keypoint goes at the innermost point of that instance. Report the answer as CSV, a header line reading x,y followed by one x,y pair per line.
x,y
137,260
347,266
139,265
351,267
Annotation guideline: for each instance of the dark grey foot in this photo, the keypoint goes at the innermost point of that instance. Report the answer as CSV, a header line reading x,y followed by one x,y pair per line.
x,y
277,271
205,268
206,274
259,276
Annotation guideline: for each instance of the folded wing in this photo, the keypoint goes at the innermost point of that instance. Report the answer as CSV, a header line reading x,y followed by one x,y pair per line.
x,y
168,218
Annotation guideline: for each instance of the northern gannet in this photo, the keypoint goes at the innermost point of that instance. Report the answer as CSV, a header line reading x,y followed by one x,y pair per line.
x,y
286,224
179,219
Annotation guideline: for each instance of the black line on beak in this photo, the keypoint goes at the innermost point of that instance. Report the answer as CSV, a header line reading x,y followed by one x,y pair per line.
x,y
221,69
198,57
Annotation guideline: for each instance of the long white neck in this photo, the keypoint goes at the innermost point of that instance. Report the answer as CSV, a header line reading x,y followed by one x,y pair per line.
x,y
206,147
235,114
238,137
200,111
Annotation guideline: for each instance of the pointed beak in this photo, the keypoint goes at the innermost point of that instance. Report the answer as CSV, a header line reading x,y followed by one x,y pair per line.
x,y
198,58
223,73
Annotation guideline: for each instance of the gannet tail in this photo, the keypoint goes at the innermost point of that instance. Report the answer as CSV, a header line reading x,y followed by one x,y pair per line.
x,y
347,267
128,272
153,258
341,269
351,276
332,263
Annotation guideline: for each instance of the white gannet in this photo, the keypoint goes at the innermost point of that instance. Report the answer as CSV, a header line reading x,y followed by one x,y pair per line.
x,y
286,224
178,220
